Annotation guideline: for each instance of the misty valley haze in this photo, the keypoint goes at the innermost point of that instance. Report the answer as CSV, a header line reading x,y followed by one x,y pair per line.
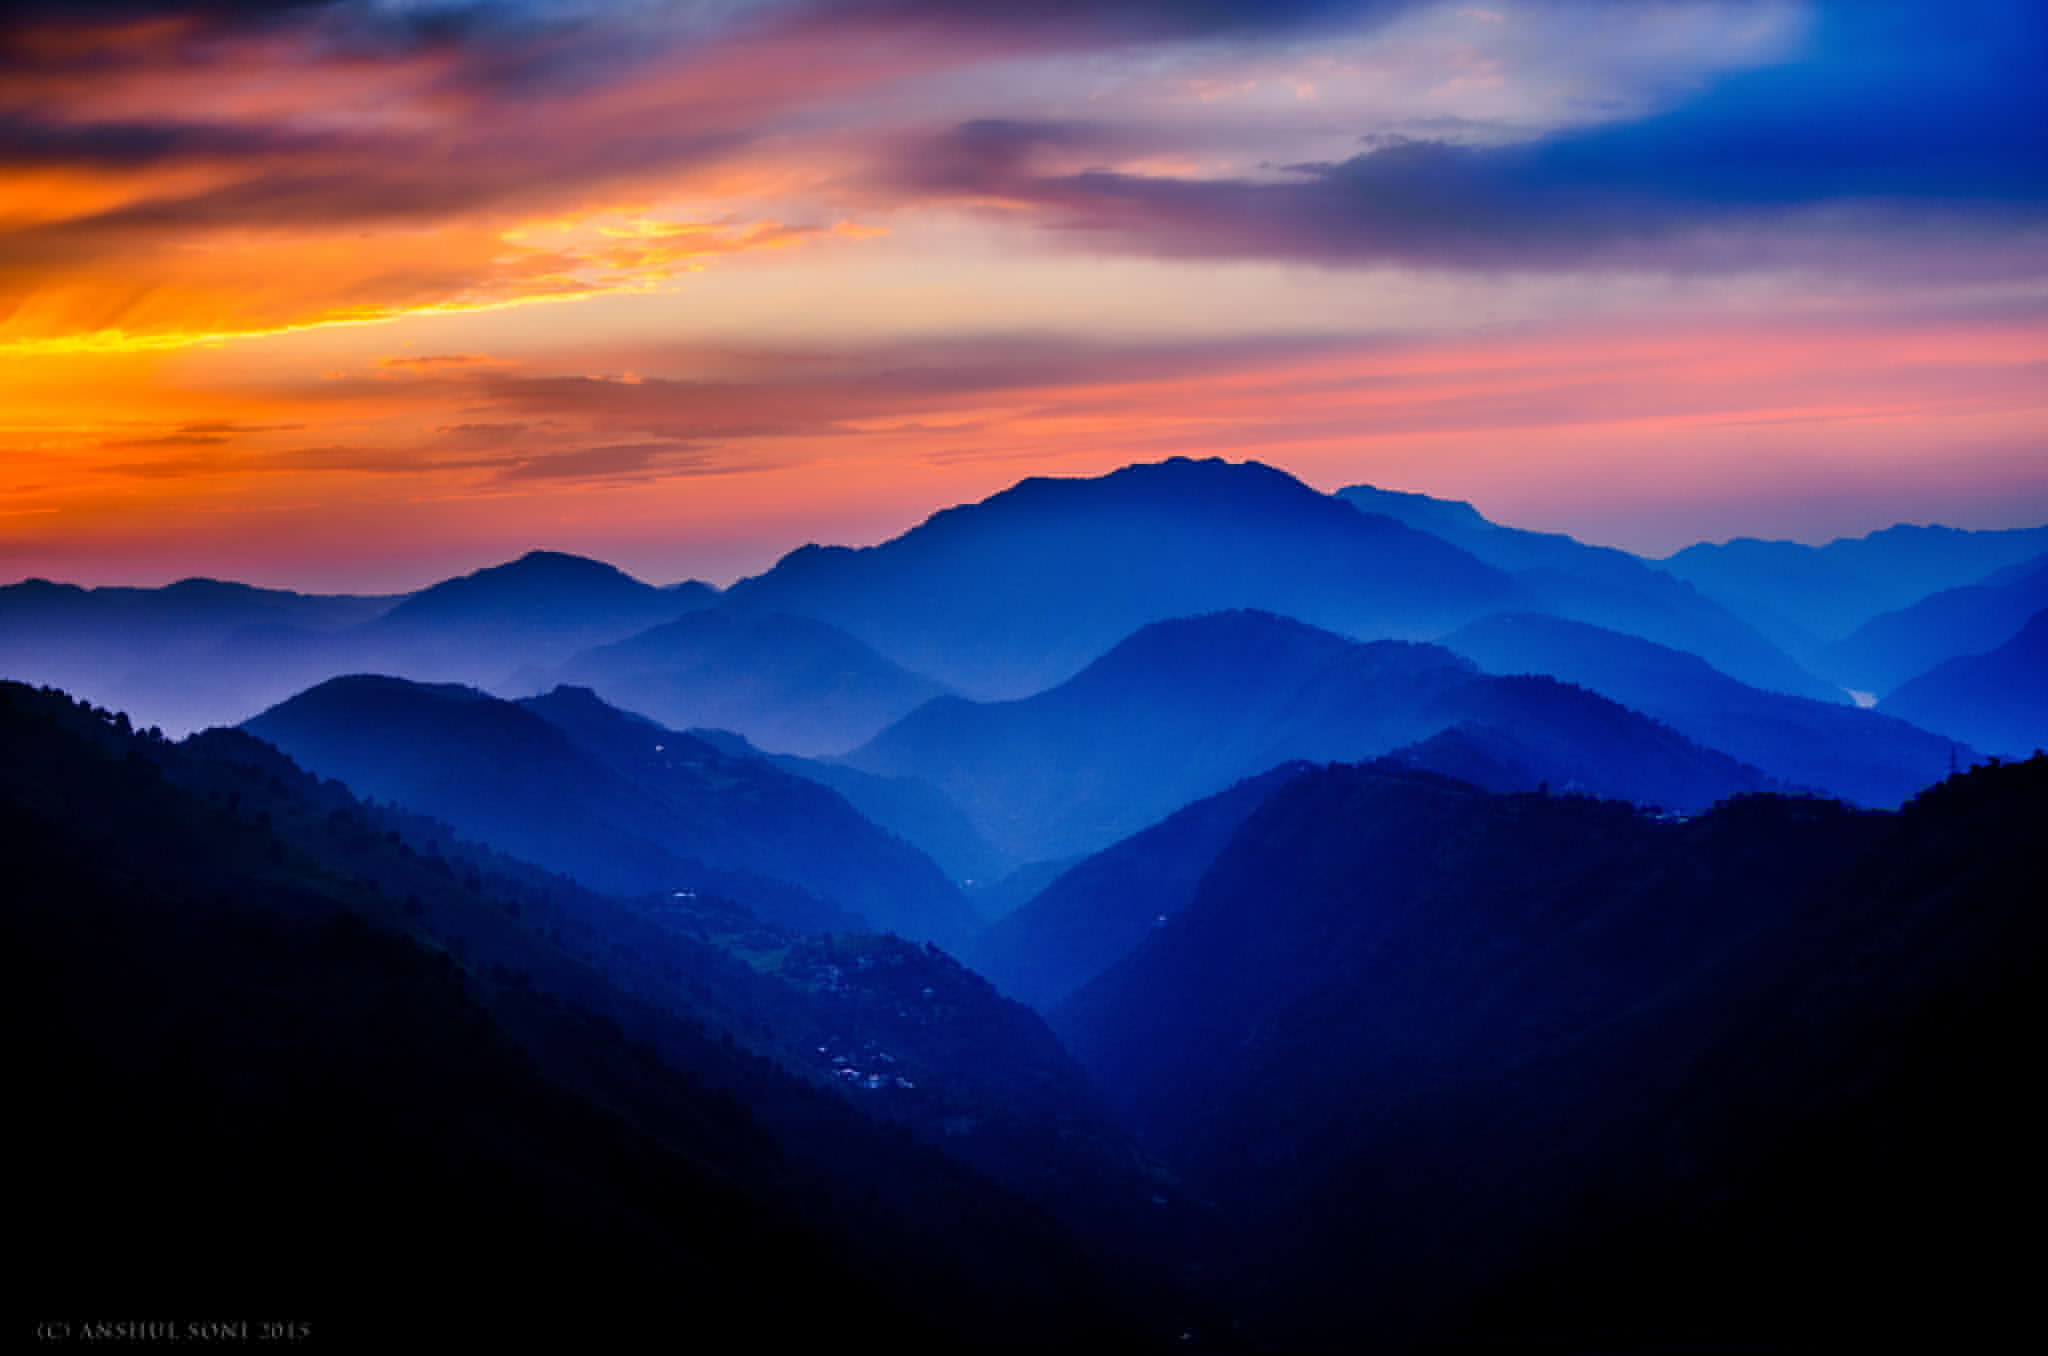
x,y
1175,909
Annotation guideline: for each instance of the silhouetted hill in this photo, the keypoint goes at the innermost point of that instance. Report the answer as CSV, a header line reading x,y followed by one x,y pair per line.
x,y
1603,586
1805,596
1997,701
1546,1073
766,820
790,684
1097,912
549,592
1860,755
902,1030
1005,597
647,810
533,612
256,990
1487,756
1895,646
1184,708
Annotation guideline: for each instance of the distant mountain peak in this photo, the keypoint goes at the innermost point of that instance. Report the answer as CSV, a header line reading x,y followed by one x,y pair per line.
x,y
1224,641
1197,472
1235,623
540,568
540,563
552,584
1897,530
352,685
39,588
575,695
1210,469
1234,636
1021,590
1175,481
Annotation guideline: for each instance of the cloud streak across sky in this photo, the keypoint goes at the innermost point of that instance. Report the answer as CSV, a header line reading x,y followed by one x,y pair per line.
x,y
751,263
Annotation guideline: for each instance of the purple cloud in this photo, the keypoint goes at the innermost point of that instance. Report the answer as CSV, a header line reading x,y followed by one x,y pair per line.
x,y
1896,125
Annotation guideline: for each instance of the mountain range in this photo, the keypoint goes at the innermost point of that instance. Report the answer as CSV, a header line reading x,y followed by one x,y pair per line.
x,y
466,1074
1004,598
1021,591
1174,909
616,801
1995,700
791,684
1184,708
1893,647
1804,597
1866,756
1604,587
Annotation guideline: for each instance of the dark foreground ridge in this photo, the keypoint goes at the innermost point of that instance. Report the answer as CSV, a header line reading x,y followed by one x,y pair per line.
x,y
1549,1069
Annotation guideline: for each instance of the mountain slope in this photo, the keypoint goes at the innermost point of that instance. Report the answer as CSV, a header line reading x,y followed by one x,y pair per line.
x,y
772,823
1007,596
1895,646
653,811
1184,708
1863,756
1805,596
1604,587
531,612
1998,700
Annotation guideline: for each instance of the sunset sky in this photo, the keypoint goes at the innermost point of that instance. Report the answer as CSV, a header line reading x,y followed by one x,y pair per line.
x,y
355,294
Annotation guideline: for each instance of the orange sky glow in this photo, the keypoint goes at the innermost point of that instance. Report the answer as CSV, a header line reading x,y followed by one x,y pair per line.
x,y
325,303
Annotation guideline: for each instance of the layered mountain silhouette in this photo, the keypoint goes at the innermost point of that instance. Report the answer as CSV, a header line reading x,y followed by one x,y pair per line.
x,y
202,653
1603,586
1184,708
1895,646
536,610
617,802
171,655
1008,596
1806,596
1543,1071
790,684
1997,701
1437,937
1859,755
503,1081
38,613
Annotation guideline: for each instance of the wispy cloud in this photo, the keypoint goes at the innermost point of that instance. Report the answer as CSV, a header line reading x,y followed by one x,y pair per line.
x,y
1902,137
719,261
257,169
